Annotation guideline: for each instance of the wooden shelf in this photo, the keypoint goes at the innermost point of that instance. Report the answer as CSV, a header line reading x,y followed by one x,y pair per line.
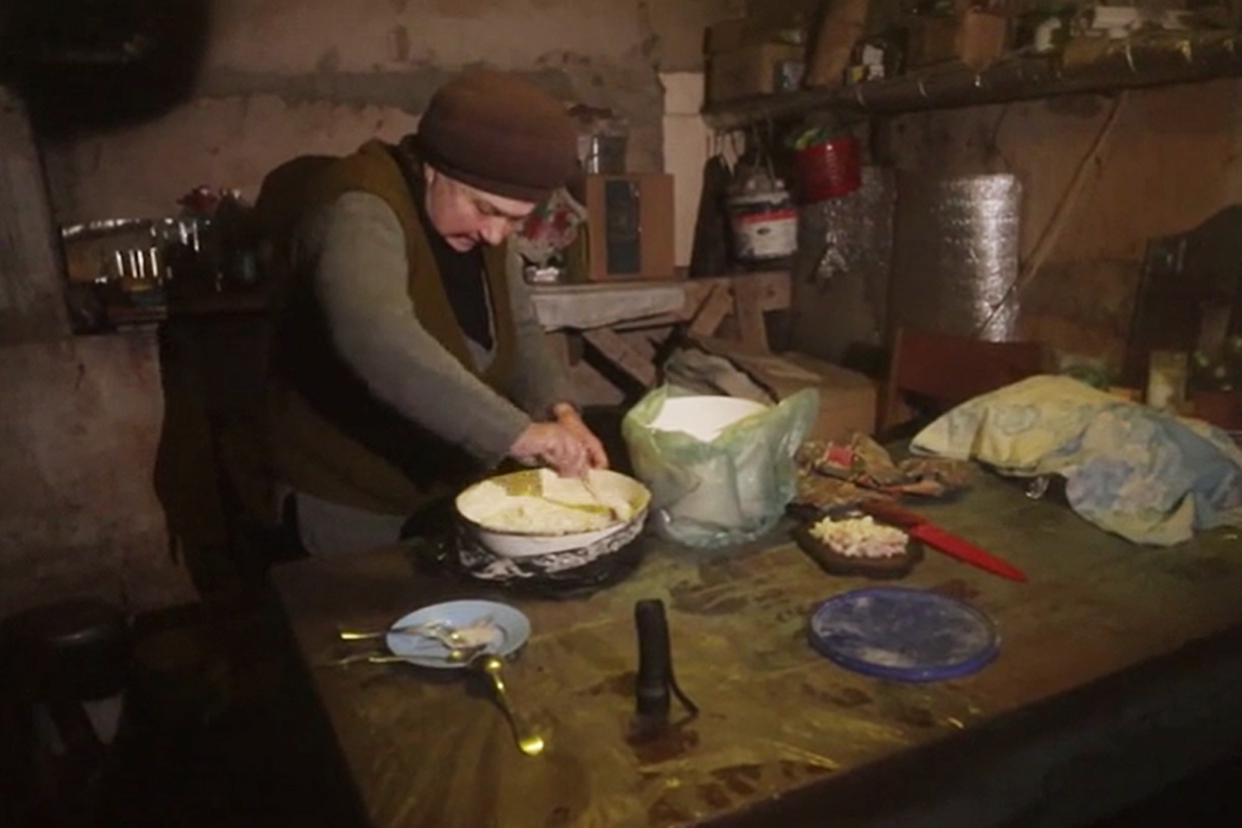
x,y
125,314
1088,66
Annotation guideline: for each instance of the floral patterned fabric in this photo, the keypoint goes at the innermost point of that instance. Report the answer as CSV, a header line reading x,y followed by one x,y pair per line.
x,y
1148,476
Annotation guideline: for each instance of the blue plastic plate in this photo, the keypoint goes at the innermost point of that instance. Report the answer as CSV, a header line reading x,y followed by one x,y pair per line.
x,y
903,634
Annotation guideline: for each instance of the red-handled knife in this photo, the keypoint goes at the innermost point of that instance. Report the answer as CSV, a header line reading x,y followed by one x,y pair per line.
x,y
921,528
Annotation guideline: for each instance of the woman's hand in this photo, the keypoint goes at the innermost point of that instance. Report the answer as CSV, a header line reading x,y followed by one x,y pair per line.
x,y
552,445
567,416
566,446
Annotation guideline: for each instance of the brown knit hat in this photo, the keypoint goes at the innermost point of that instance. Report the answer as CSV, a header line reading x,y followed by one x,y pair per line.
x,y
500,133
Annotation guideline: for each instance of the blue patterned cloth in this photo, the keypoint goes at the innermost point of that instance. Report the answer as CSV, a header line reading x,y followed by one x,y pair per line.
x,y
1148,476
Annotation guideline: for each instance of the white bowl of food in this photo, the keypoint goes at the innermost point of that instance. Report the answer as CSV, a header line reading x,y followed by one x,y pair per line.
x,y
537,512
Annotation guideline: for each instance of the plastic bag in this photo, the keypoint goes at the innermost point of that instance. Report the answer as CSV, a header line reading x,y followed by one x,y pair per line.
x,y
729,488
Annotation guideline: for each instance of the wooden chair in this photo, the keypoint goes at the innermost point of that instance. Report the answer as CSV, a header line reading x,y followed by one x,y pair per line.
x,y
941,370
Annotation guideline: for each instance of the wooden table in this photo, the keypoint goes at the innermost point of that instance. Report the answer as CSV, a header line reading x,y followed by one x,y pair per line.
x,y
627,323
1120,668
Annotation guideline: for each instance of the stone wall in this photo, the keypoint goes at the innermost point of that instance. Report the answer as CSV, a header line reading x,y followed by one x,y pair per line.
x,y
285,77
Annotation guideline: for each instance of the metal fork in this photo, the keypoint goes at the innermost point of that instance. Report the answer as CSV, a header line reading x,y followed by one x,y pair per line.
x,y
436,630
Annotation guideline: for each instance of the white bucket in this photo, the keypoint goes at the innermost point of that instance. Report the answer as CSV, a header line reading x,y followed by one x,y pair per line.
x,y
703,418
730,489
765,225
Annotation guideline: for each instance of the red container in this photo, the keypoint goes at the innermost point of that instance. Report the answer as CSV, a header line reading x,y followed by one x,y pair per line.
x,y
828,170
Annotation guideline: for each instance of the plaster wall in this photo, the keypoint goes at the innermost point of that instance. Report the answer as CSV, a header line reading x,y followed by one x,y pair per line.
x,y
79,424
687,142
80,428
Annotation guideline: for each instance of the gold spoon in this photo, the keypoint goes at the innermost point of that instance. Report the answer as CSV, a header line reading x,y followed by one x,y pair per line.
x,y
490,665
457,655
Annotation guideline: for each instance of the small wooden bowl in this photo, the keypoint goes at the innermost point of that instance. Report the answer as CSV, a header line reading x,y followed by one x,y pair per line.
x,y
834,563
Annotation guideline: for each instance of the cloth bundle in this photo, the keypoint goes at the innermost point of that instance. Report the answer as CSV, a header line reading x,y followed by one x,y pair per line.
x,y
1148,476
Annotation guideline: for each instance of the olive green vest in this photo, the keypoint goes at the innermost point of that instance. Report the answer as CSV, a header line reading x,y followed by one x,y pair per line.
x,y
330,437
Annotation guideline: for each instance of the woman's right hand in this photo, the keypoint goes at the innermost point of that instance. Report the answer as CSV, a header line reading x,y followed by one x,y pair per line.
x,y
552,445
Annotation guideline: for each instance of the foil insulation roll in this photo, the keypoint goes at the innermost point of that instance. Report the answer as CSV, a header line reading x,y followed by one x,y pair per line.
x,y
841,269
955,260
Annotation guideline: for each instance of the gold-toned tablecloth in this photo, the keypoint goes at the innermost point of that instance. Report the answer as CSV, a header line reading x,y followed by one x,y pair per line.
x,y
783,731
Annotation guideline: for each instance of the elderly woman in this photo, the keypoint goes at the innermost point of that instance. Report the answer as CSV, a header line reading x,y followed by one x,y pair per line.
x,y
407,359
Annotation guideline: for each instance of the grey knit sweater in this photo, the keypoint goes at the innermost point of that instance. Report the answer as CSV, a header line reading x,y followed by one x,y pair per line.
x,y
356,249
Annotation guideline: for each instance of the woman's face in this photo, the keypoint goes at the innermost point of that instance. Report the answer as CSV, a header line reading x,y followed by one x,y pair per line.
x,y
466,216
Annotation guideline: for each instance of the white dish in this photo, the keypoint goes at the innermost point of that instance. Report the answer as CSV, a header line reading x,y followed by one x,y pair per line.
x,y
478,501
512,631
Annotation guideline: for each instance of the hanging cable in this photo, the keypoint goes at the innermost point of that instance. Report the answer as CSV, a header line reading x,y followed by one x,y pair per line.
x,y
1056,222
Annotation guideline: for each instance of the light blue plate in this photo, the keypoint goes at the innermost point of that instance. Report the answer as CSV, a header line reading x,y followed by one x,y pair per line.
x,y
513,628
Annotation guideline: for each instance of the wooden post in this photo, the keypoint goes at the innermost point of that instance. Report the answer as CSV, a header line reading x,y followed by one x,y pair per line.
x,y
748,310
32,301
715,307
